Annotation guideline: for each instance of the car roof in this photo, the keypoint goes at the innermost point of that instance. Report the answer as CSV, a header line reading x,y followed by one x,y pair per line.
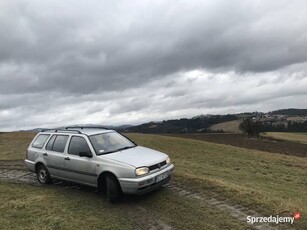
x,y
86,131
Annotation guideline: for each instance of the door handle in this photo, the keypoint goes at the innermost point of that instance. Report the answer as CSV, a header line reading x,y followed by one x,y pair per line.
x,y
45,154
67,158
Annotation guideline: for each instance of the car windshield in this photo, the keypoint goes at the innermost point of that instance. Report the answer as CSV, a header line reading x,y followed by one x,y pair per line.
x,y
110,142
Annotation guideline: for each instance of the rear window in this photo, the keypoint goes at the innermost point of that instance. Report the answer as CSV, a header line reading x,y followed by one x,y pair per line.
x,y
40,141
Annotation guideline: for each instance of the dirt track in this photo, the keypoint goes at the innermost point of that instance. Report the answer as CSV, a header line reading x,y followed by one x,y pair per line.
x,y
240,140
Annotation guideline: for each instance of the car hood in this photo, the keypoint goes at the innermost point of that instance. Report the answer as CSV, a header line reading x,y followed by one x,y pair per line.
x,y
138,156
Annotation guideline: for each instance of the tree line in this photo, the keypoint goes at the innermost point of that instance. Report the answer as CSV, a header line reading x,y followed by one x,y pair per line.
x,y
184,125
254,127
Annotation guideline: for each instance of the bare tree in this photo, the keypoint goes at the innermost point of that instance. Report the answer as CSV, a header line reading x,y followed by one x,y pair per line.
x,y
252,128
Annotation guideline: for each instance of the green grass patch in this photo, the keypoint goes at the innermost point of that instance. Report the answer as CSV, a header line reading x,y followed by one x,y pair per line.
x,y
188,213
29,207
266,182
50,207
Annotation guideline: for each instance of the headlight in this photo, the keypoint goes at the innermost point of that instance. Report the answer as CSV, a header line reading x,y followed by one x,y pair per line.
x,y
168,160
141,171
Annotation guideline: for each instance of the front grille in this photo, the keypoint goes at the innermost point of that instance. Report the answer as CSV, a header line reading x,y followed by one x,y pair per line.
x,y
157,166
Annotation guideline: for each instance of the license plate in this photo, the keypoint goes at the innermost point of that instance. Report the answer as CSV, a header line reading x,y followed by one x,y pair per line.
x,y
161,177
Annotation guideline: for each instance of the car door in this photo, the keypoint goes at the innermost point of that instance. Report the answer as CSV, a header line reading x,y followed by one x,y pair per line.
x,y
80,169
54,154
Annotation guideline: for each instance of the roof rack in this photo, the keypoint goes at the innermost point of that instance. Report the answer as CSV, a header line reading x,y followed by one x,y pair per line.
x,y
62,130
85,127
68,130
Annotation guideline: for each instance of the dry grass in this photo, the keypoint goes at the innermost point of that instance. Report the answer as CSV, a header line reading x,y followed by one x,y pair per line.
x,y
295,137
13,145
266,182
228,126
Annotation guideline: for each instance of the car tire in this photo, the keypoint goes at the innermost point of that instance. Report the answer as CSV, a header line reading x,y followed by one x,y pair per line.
x,y
114,192
43,175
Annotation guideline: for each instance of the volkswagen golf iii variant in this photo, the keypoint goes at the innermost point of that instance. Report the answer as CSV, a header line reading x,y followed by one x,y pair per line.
x,y
100,158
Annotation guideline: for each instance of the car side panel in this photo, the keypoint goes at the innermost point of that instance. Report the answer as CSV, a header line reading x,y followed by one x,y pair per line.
x,y
54,162
81,169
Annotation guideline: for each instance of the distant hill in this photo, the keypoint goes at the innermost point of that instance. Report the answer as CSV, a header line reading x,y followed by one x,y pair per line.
x,y
183,125
220,123
290,112
279,120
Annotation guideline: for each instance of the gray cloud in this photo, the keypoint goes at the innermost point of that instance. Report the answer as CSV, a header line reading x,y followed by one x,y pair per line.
x,y
94,60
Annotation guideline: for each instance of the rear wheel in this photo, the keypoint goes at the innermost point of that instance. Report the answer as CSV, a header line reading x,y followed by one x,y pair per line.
x,y
114,192
43,175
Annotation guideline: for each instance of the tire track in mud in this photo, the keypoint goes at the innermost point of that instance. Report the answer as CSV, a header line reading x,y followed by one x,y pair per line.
x,y
18,176
144,219
13,164
237,211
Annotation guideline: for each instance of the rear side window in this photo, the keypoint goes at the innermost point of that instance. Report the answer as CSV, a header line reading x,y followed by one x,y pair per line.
x,y
50,143
57,143
77,145
40,141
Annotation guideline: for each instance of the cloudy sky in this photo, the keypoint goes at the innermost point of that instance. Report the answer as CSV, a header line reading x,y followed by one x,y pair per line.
x,y
129,62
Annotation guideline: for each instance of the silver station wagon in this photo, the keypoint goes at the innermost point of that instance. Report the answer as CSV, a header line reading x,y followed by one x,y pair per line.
x,y
98,157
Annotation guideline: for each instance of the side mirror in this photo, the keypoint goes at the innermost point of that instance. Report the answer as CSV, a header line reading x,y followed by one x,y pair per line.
x,y
85,154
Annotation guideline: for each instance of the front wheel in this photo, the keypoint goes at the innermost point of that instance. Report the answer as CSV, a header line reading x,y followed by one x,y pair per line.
x,y
43,175
114,192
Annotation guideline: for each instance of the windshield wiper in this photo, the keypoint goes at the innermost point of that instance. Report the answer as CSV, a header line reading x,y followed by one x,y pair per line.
x,y
127,147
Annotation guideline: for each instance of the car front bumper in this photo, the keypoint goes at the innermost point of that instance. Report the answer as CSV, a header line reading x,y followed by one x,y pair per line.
x,y
145,184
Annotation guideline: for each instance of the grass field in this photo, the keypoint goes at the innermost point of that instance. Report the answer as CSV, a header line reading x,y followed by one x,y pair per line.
x,y
296,137
13,145
269,183
28,207
228,126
